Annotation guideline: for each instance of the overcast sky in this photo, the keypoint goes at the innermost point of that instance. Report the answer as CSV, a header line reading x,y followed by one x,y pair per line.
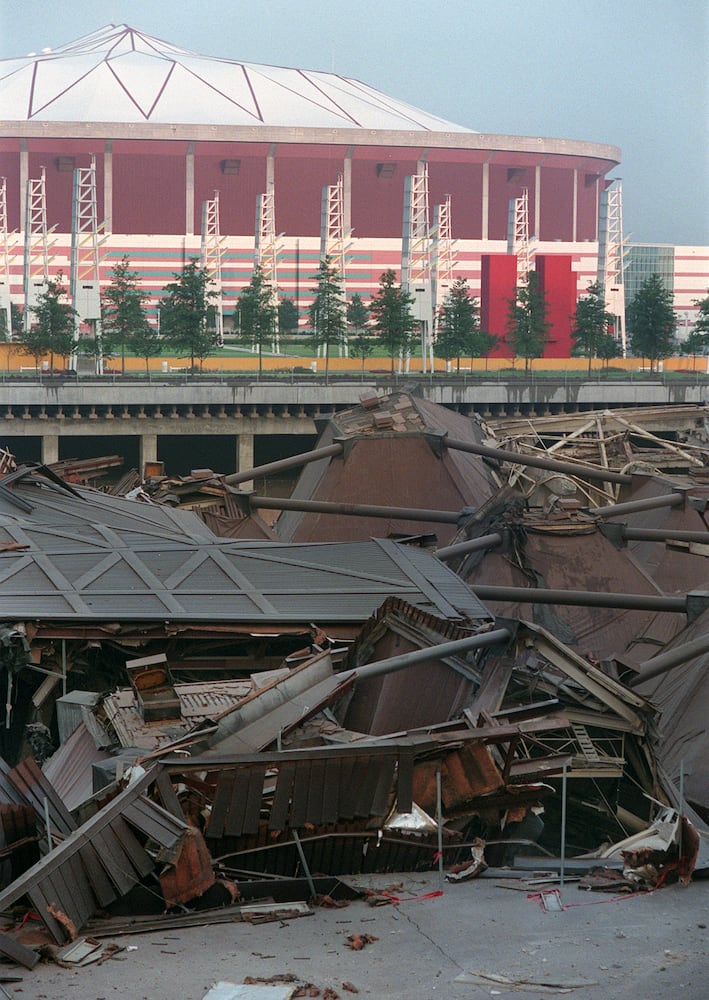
x,y
632,73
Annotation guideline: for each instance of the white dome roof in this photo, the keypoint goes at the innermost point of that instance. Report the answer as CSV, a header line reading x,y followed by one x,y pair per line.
x,y
118,74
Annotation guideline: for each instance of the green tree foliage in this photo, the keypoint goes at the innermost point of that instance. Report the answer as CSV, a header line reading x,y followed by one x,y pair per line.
x,y
146,343
651,321
607,348
287,318
527,324
591,322
259,313
696,344
122,310
187,313
15,323
486,342
357,314
701,324
53,329
327,311
459,324
393,320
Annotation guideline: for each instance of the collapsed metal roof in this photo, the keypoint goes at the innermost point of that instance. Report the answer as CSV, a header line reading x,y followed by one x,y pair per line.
x,y
81,556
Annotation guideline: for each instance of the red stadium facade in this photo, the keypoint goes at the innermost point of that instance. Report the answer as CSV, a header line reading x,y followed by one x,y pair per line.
x,y
164,140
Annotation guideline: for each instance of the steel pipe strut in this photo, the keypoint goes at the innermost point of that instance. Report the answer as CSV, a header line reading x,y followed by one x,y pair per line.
x,y
357,509
633,506
580,598
664,535
471,545
539,462
454,648
294,462
663,662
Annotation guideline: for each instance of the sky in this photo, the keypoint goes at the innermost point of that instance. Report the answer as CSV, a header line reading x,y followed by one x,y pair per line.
x,y
630,73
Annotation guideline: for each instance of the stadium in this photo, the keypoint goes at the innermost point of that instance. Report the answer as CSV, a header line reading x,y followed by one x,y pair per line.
x,y
125,144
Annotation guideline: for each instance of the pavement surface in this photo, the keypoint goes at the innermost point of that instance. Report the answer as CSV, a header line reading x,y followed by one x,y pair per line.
x,y
645,947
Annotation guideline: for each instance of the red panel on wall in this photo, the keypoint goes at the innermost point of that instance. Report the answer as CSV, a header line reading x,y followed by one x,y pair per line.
x,y
587,206
10,169
238,186
557,208
464,183
59,163
299,184
148,194
378,195
506,183
558,285
498,281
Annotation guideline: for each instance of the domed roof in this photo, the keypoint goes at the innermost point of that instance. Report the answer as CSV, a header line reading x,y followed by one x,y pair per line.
x,y
118,74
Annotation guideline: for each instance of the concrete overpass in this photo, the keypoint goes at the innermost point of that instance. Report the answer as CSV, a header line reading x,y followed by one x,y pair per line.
x,y
239,409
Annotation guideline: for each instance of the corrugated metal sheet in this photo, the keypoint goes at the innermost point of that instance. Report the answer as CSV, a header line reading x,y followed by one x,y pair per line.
x,y
70,768
99,862
85,569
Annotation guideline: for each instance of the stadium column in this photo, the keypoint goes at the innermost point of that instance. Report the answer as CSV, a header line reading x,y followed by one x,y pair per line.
x,y
537,199
50,448
24,176
576,205
108,187
245,457
189,190
148,449
347,188
485,215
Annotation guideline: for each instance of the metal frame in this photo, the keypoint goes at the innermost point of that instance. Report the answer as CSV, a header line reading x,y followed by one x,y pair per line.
x,y
211,257
333,238
612,252
416,258
85,278
36,243
266,248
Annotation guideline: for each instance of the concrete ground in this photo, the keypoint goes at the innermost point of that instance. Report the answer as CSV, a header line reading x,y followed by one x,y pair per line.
x,y
647,947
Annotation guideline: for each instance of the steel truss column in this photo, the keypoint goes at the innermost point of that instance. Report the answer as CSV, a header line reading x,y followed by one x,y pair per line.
x,y
443,261
266,248
611,257
333,238
85,276
5,306
518,240
36,267
211,258
416,258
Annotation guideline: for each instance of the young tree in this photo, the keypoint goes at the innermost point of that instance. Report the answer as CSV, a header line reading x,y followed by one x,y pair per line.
x,y
122,310
259,314
607,348
696,345
287,318
357,314
591,321
701,324
15,330
651,321
527,323
486,342
146,343
394,323
187,315
52,332
327,311
459,323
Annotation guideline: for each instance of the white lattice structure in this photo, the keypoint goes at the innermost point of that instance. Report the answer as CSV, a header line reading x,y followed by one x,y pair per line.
x,y
416,258
443,259
85,274
211,258
611,257
5,306
333,238
36,270
519,243
266,248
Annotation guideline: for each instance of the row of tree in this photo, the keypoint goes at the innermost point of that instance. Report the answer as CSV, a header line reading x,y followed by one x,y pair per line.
x,y
187,320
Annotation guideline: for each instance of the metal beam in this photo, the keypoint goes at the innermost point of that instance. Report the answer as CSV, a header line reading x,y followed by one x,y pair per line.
x,y
442,650
294,462
359,509
472,545
634,506
539,462
580,598
660,664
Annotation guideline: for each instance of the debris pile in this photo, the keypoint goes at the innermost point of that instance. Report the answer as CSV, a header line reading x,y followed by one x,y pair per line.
x,y
200,727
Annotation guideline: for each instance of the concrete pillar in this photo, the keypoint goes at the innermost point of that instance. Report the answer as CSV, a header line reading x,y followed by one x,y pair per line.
x,y
245,457
575,207
537,201
50,448
148,449
189,190
108,186
347,188
485,234
271,168
24,176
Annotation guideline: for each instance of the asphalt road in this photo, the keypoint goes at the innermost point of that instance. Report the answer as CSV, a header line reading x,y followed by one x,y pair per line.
x,y
646,947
